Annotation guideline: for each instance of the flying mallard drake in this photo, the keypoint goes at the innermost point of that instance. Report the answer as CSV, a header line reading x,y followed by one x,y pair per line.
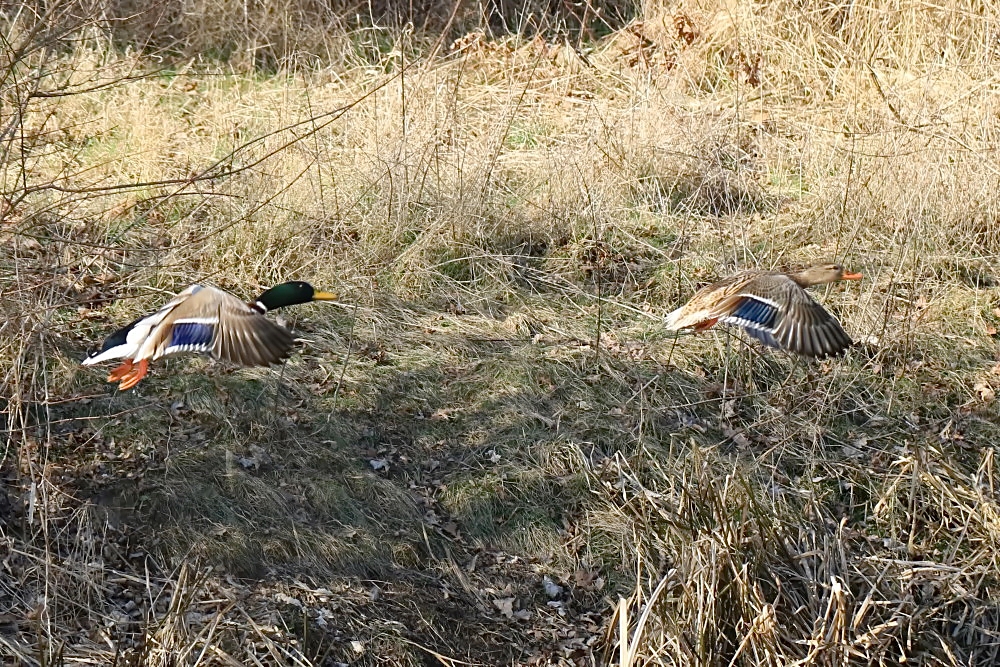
x,y
772,307
204,319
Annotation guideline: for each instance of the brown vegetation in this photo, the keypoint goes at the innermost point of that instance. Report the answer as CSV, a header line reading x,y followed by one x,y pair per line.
x,y
493,453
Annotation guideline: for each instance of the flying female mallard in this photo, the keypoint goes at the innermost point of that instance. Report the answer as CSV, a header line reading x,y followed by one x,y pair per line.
x,y
772,307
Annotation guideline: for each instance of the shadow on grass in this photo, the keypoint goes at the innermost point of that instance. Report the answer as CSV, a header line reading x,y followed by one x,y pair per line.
x,y
432,492
451,486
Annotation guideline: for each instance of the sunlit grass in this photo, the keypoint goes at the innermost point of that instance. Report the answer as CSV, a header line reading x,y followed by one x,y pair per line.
x,y
494,401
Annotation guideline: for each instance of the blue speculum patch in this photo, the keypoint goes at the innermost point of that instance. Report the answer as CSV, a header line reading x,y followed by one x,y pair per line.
x,y
755,311
195,334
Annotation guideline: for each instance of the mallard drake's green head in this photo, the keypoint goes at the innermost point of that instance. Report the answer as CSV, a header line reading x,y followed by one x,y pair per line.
x,y
822,274
291,294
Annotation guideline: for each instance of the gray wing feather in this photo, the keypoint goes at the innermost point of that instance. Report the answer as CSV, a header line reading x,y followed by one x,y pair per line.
x,y
250,339
807,328
803,326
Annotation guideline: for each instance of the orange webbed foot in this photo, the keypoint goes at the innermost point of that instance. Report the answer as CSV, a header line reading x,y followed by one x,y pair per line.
x,y
131,378
121,371
707,324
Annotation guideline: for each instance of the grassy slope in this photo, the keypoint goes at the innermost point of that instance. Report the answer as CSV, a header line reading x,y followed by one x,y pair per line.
x,y
493,406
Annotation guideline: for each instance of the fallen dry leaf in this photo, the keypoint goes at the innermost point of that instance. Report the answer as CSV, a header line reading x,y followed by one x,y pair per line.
x,y
552,589
588,579
984,392
505,606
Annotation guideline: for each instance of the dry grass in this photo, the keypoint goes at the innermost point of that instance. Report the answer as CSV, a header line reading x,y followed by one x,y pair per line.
x,y
493,454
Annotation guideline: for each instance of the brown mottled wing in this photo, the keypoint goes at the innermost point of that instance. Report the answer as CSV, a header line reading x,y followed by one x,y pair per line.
x,y
248,338
799,324
710,302
241,334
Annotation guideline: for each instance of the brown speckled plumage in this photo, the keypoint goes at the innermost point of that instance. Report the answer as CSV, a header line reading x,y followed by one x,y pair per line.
x,y
772,307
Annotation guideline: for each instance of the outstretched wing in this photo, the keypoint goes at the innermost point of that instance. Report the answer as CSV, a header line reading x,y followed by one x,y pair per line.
x,y
131,340
810,330
778,312
757,317
248,338
212,321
